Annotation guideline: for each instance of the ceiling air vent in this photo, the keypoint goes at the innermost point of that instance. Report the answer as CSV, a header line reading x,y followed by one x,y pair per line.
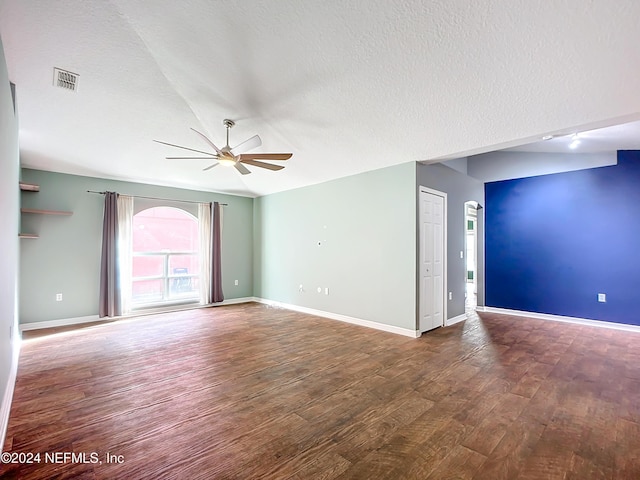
x,y
64,79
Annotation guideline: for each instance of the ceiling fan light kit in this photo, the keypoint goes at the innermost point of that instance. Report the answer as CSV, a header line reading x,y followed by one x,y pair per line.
x,y
236,156
226,162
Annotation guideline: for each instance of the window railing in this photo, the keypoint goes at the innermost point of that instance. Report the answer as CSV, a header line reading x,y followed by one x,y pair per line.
x,y
174,284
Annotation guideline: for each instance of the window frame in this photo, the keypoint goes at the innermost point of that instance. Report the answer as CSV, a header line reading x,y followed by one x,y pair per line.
x,y
167,298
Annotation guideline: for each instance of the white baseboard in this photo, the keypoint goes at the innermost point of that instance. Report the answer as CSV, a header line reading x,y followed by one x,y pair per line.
x,y
62,322
343,318
5,407
561,318
454,320
234,301
65,322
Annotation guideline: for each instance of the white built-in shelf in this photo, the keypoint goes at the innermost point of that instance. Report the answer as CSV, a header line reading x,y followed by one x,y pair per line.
x,y
29,187
32,187
45,212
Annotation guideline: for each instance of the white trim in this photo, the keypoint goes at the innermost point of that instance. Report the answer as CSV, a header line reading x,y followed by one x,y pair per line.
x,y
454,320
311,311
481,308
561,318
176,307
7,399
64,322
445,229
234,301
343,318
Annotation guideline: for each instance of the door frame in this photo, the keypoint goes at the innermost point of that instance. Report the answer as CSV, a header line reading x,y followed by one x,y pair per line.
x,y
445,293
474,235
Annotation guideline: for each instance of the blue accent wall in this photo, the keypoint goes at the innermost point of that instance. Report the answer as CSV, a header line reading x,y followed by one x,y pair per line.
x,y
554,242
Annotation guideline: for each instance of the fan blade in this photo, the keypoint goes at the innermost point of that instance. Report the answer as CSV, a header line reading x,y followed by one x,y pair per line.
x,y
208,141
253,142
265,156
210,167
186,148
242,169
268,166
192,158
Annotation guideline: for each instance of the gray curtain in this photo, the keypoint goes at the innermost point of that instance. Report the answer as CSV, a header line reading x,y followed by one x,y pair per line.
x,y
216,255
110,304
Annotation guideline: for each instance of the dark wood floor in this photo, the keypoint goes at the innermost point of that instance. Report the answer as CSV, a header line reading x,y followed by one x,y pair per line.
x,y
250,391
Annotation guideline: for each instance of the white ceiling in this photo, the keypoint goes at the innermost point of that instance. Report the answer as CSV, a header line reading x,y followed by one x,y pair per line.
x,y
347,86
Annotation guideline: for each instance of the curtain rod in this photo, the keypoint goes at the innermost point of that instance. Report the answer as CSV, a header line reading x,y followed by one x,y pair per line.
x,y
158,198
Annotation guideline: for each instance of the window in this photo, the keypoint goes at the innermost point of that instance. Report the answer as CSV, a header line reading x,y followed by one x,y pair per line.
x,y
165,257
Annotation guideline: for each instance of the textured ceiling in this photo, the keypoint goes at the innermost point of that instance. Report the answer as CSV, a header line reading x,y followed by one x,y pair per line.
x,y
347,86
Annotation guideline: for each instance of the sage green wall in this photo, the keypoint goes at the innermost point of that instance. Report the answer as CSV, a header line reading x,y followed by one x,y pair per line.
x,y
9,243
66,257
355,236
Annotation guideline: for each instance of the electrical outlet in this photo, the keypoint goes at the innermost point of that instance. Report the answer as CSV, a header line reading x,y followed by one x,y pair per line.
x,y
58,297
236,282
326,291
450,295
461,254
301,288
602,297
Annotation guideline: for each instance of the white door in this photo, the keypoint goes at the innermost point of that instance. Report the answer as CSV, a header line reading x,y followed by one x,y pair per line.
x,y
432,209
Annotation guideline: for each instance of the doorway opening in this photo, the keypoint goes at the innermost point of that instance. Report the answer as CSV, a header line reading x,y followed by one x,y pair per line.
x,y
471,255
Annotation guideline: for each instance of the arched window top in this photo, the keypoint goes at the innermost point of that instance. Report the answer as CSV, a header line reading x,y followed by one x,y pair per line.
x,y
173,212
165,228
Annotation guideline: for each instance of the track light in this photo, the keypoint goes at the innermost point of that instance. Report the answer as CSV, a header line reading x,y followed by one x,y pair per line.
x,y
575,141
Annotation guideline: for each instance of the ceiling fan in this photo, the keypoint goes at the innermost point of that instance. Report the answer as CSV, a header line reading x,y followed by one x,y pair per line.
x,y
234,157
